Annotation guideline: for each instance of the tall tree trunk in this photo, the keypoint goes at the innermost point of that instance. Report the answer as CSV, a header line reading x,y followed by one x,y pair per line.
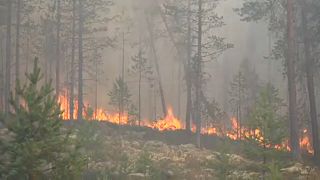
x,y
8,57
2,80
46,79
139,95
58,48
291,74
179,90
96,84
188,71
310,85
121,104
28,27
239,106
18,45
71,101
163,102
155,101
80,70
198,83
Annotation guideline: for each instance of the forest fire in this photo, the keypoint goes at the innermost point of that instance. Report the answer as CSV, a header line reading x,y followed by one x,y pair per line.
x,y
98,114
171,123
305,142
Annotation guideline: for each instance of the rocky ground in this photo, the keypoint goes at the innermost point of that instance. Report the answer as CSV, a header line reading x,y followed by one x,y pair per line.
x,y
133,155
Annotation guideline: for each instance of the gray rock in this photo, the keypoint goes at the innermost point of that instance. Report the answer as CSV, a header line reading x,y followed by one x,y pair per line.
x,y
137,176
295,169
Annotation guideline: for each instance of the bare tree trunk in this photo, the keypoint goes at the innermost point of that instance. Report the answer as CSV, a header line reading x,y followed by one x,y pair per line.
x,y
310,85
8,57
188,72
164,107
28,47
198,83
294,133
80,70
140,78
2,80
71,101
18,45
58,48
179,90
121,103
239,107
96,84
46,79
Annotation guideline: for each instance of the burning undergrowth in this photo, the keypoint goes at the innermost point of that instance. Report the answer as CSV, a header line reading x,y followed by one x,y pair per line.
x,y
171,123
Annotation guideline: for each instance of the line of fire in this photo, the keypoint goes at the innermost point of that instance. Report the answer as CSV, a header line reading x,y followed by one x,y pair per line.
x,y
171,123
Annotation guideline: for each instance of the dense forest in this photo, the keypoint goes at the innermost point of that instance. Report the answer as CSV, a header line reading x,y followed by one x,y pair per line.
x,y
159,89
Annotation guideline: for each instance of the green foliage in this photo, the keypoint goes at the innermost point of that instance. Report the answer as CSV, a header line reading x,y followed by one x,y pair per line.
x,y
214,116
120,95
140,66
91,139
238,91
244,89
145,165
97,149
274,172
267,118
255,10
133,114
222,165
272,12
89,113
39,147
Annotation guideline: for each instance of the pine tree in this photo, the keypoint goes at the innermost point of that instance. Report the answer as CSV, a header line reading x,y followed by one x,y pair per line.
x,y
266,118
193,24
238,93
143,71
120,97
39,145
280,15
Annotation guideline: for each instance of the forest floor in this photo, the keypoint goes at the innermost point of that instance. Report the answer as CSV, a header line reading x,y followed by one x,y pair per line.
x,y
142,153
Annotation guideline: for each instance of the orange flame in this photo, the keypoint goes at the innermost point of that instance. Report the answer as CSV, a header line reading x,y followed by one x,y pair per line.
x,y
98,114
305,142
171,123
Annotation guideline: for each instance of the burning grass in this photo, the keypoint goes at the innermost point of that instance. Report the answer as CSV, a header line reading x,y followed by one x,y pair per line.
x,y
172,123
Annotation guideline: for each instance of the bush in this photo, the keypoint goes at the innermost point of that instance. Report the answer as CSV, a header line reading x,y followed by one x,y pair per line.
x,y
274,172
145,165
222,165
40,147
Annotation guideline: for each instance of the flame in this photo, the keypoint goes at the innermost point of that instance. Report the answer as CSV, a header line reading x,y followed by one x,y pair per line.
x,y
305,142
98,114
171,122
210,131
